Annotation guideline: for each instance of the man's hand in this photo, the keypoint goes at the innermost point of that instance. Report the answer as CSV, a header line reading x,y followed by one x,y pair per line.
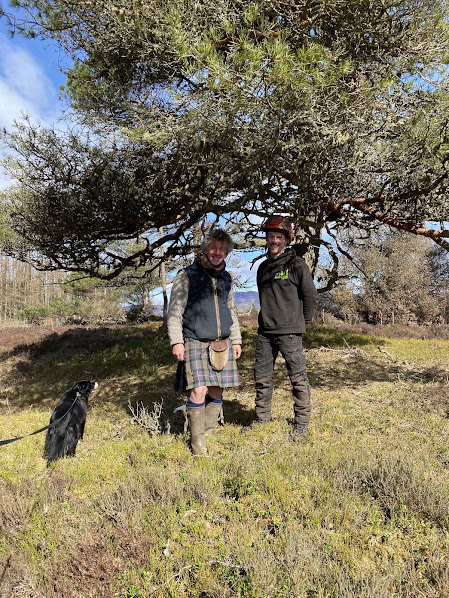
x,y
237,350
178,351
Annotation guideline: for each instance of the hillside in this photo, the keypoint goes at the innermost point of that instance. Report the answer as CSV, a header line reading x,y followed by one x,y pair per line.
x,y
361,509
246,299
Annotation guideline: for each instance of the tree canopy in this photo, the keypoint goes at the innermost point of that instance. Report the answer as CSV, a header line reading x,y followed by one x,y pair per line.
x,y
333,112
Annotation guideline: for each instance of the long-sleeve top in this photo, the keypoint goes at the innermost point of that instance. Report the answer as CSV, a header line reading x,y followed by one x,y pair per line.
x,y
178,329
287,294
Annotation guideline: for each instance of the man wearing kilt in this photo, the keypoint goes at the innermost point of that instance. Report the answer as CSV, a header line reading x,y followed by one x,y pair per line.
x,y
202,310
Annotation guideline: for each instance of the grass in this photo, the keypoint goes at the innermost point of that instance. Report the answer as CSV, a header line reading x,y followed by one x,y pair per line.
x,y
361,509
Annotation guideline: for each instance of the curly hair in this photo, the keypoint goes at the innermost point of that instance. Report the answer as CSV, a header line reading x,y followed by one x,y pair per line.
x,y
217,234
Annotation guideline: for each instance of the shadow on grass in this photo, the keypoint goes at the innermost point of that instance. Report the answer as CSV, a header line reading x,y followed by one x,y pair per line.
x,y
132,364
48,367
135,364
341,374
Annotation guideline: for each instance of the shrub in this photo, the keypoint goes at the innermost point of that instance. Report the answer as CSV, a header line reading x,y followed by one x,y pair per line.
x,y
35,314
140,314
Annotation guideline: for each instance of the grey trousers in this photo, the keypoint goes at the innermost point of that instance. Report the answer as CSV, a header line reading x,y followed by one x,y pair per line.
x,y
267,349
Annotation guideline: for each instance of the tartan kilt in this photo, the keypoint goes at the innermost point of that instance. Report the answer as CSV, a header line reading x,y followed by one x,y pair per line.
x,y
198,370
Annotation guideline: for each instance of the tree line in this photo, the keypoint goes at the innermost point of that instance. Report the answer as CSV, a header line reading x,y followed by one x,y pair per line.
x,y
394,279
57,297
391,279
21,285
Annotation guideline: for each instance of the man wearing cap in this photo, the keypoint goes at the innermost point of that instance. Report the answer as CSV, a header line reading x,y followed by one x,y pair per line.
x,y
288,299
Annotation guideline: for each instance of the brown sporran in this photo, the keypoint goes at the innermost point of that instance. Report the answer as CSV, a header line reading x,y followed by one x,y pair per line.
x,y
218,354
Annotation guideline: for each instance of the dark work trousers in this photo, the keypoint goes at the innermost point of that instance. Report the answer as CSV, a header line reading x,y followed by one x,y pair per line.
x,y
267,349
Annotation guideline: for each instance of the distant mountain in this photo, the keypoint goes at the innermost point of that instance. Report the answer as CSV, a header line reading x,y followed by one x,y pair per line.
x,y
245,299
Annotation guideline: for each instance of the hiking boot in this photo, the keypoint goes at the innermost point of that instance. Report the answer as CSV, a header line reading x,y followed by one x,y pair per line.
x,y
300,432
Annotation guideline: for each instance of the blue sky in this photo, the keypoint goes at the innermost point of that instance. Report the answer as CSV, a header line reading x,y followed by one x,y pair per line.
x,y
29,76
29,81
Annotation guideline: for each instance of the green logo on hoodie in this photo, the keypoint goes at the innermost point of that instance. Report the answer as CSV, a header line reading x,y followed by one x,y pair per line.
x,y
282,275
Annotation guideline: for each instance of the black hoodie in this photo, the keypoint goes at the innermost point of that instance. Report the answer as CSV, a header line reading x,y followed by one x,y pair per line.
x,y
287,294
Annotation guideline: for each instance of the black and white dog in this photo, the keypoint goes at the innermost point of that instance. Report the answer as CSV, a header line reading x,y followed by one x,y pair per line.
x,y
68,420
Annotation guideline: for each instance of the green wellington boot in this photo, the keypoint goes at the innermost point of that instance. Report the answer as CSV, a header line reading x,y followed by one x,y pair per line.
x,y
213,414
197,418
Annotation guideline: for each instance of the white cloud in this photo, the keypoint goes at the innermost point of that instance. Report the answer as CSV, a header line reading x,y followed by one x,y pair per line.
x,y
24,85
23,73
29,81
14,106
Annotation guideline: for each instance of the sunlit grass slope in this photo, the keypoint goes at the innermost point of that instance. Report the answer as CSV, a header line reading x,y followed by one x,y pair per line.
x,y
361,509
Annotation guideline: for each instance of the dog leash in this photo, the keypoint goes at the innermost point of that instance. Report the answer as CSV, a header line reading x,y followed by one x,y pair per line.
x,y
3,442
